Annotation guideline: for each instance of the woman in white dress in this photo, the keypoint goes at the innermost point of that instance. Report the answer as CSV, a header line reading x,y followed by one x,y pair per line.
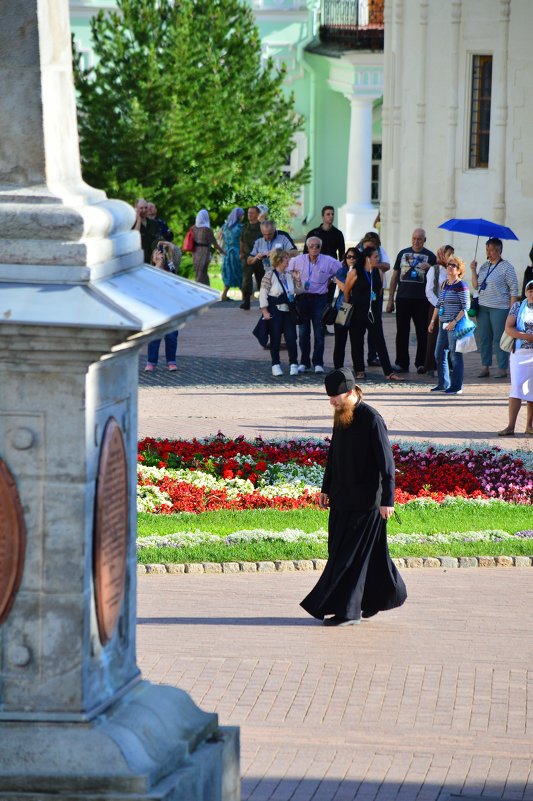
x,y
519,325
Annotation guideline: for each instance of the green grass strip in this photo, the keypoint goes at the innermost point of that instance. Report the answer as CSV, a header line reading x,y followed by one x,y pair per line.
x,y
413,519
423,519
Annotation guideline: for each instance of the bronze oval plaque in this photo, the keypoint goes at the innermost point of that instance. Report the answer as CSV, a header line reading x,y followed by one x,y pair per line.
x,y
110,530
12,541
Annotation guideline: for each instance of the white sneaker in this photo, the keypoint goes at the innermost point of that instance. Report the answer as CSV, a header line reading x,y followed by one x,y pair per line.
x,y
319,368
276,370
293,369
303,369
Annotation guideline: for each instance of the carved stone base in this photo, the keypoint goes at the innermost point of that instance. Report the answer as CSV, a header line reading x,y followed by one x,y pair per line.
x,y
152,744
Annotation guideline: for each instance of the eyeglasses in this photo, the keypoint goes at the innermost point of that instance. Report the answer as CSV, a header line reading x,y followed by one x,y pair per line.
x,y
314,246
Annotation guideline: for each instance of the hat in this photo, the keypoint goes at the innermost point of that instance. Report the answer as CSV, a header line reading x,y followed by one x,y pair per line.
x,y
262,208
339,381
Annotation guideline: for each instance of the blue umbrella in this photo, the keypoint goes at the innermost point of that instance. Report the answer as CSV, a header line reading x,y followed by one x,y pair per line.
x,y
478,227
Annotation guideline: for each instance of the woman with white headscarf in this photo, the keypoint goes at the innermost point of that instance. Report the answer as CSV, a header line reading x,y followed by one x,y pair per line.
x,y
231,264
204,240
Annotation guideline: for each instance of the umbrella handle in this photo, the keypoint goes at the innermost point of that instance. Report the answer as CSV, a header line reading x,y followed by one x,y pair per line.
x,y
477,243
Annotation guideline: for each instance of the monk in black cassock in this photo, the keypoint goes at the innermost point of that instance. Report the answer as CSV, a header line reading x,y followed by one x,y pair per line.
x,y
359,579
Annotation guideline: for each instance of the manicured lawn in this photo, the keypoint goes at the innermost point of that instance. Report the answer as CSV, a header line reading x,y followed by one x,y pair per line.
x,y
420,519
414,519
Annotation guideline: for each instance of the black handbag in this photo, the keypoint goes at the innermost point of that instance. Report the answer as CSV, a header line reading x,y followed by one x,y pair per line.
x,y
295,312
329,314
262,331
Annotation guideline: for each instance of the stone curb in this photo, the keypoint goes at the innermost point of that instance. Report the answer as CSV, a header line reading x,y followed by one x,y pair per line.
x,y
319,564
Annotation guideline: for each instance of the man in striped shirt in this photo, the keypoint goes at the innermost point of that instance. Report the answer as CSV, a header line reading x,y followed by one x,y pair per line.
x,y
497,284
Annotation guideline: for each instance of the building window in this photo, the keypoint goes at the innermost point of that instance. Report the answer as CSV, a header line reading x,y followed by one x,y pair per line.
x,y
375,190
480,111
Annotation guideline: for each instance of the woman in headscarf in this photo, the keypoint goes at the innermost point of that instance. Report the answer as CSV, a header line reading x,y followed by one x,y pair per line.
x,y
231,264
204,240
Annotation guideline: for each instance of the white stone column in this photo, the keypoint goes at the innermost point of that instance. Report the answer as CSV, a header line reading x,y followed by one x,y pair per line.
x,y
359,211
361,85
499,115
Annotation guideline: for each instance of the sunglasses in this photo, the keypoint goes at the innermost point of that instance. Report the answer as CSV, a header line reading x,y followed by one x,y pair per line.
x,y
350,256
314,246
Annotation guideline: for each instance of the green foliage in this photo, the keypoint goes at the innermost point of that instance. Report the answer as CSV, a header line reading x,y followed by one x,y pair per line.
x,y
179,109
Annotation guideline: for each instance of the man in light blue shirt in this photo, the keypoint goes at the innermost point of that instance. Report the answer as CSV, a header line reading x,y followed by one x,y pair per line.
x,y
315,270
271,240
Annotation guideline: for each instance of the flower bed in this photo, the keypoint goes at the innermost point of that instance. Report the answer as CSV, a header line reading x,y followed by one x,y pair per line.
x,y
223,473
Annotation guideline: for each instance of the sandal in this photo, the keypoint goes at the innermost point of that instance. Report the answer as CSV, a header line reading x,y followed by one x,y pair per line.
x,y
360,376
484,373
506,432
394,377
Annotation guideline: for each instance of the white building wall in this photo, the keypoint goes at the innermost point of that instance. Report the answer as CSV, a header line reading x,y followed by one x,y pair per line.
x,y
429,45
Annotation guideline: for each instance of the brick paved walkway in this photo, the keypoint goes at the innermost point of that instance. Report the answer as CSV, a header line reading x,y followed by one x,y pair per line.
x,y
432,701
423,702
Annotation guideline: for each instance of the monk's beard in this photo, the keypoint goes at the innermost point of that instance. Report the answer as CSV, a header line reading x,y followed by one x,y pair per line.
x,y
342,418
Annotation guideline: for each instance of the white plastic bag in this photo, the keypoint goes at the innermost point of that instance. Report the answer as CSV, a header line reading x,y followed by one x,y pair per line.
x,y
466,344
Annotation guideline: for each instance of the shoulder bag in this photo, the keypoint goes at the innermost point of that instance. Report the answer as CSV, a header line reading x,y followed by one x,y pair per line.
x,y
344,315
507,343
188,242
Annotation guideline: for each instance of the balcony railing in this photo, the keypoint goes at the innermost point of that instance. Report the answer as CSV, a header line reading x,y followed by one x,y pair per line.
x,y
354,24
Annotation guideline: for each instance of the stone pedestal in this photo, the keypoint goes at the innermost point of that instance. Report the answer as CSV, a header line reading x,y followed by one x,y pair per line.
x,y
76,304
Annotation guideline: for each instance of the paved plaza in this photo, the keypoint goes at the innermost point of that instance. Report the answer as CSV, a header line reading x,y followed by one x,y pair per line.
x,y
430,701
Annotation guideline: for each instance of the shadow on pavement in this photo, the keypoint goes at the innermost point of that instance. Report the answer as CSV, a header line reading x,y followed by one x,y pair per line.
x,y
307,789
227,621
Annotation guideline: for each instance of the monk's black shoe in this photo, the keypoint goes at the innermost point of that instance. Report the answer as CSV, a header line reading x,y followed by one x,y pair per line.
x,y
341,621
366,615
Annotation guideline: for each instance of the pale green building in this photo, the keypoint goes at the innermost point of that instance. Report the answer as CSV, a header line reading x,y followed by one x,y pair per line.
x,y
333,51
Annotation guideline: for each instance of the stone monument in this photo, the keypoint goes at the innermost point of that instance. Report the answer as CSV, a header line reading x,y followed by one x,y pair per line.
x,y
76,303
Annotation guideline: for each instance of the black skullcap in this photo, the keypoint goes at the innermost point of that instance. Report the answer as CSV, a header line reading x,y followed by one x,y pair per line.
x,y
339,381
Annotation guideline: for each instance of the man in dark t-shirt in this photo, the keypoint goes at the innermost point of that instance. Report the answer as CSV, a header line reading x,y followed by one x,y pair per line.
x,y
332,239
409,278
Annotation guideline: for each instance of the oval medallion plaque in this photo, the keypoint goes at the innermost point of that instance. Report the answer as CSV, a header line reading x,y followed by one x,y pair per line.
x,y
12,541
110,530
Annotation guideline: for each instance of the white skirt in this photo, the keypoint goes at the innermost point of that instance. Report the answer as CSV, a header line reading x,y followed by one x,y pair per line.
x,y
522,374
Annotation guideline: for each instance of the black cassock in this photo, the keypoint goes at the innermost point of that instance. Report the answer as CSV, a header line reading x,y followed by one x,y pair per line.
x,y
359,478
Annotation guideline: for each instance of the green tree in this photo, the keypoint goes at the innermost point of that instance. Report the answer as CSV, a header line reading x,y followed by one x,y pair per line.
x,y
180,109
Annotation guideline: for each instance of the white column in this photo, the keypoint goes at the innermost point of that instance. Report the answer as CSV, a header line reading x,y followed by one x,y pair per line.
x,y
359,213
499,115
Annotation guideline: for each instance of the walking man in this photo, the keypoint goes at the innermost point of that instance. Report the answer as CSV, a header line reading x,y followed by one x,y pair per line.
x,y
409,277
359,579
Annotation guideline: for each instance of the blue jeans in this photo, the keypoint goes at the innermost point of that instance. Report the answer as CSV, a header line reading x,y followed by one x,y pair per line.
x,y
490,325
446,345
171,346
312,307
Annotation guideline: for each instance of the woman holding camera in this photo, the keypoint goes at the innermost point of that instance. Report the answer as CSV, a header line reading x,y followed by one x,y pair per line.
x,y
278,289
166,257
